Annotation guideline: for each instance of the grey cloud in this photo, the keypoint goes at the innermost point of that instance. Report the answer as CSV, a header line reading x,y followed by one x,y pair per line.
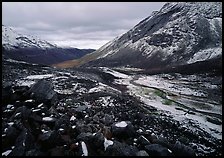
x,y
76,20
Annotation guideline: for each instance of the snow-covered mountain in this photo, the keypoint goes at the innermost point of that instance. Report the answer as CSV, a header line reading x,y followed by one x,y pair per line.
x,y
179,33
34,50
12,40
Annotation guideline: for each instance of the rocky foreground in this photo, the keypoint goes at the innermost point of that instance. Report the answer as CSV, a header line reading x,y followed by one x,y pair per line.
x,y
68,113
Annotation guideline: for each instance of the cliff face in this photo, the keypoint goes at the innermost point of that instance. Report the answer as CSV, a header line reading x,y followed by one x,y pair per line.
x,y
179,34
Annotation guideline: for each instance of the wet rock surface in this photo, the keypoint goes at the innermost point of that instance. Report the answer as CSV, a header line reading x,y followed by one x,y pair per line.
x,y
55,115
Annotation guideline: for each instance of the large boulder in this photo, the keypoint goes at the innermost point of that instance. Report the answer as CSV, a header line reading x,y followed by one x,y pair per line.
x,y
123,129
43,91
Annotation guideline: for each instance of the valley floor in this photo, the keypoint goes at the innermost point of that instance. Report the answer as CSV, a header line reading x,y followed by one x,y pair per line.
x,y
101,111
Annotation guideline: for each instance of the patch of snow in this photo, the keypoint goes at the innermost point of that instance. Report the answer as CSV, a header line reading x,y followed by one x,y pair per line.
x,y
9,106
16,61
158,82
139,131
25,83
106,101
97,89
44,131
72,118
64,91
47,119
11,123
84,149
205,54
114,73
40,105
6,153
35,110
107,143
40,76
73,126
17,114
28,101
121,124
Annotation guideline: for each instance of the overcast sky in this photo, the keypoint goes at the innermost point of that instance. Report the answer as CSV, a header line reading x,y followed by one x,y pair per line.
x,y
76,24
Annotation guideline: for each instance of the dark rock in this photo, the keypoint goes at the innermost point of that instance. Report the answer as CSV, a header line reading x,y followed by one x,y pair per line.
x,y
66,138
43,91
162,141
11,135
120,149
142,153
153,138
36,117
139,115
19,93
50,139
98,140
81,111
81,108
57,151
106,132
96,119
180,149
25,141
123,129
157,150
62,122
24,112
45,136
143,141
18,151
53,111
214,120
6,92
86,137
35,152
107,119
82,128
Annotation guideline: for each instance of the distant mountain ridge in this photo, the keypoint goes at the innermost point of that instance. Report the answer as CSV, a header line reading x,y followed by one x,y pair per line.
x,y
34,50
180,33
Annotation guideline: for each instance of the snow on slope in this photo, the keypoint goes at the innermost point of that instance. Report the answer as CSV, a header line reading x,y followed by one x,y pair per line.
x,y
11,40
186,31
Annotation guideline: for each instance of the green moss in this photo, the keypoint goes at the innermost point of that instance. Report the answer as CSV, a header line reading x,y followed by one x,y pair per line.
x,y
167,102
158,93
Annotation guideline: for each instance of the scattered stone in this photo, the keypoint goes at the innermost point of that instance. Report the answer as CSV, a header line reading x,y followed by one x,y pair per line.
x,y
107,119
143,141
120,149
24,112
157,150
214,120
142,153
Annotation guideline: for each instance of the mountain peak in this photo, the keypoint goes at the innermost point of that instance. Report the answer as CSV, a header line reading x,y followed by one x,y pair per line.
x,y
12,40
